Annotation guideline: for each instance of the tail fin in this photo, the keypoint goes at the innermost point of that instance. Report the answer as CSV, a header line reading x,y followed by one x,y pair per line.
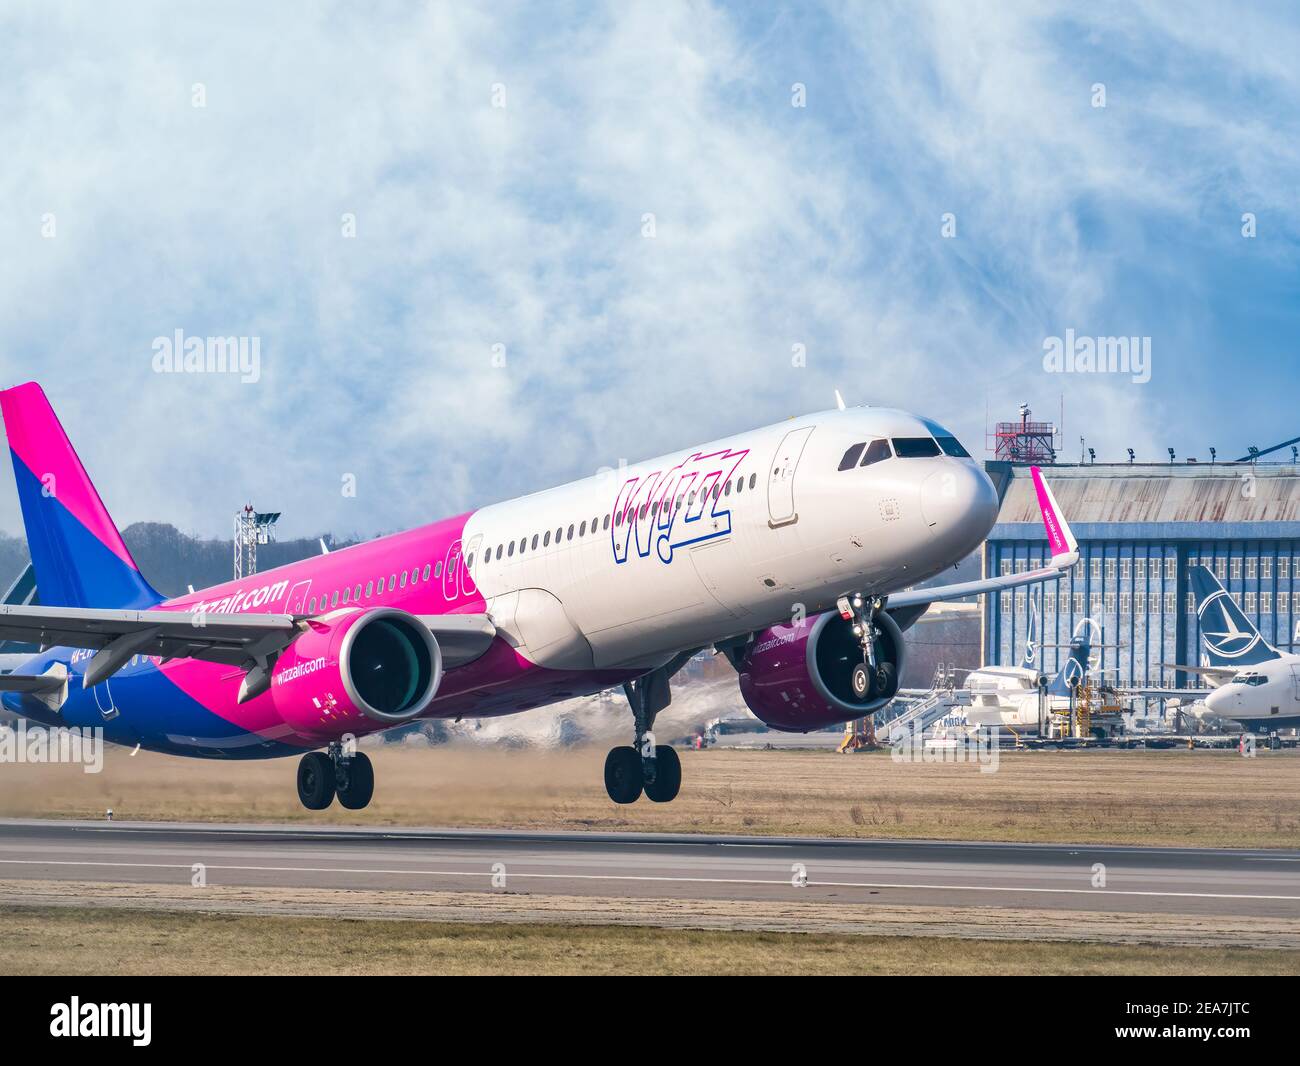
x,y
79,556
1228,636
1075,668
1030,659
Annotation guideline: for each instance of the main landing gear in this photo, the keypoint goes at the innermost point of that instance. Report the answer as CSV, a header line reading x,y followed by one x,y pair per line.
x,y
871,678
322,775
646,766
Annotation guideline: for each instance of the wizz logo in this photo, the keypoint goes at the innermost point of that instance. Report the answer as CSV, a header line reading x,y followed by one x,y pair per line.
x,y
672,509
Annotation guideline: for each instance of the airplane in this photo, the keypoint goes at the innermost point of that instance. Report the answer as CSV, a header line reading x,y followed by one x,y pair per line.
x,y
790,549
1258,686
1007,696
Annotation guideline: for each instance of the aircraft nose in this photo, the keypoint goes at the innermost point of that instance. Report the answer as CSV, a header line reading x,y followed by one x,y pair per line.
x,y
1217,701
959,503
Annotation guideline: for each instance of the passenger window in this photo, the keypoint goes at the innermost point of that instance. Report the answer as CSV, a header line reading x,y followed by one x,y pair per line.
x,y
356,593
534,542
570,537
334,600
582,529
752,479
402,582
605,524
469,559
392,582
877,451
851,456
370,588
915,447
952,446
311,605
437,567
426,569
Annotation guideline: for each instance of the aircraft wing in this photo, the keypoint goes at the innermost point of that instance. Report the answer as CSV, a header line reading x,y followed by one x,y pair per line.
x,y
233,639
38,685
461,638
1214,673
1167,693
1065,553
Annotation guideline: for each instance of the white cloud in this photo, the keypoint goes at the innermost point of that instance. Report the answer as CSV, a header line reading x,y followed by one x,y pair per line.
x,y
522,226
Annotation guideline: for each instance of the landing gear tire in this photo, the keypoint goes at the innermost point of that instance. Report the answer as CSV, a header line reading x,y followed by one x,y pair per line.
x,y
861,681
316,781
359,786
886,681
668,776
623,779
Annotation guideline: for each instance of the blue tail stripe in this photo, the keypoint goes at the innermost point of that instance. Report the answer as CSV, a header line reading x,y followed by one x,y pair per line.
x,y
74,568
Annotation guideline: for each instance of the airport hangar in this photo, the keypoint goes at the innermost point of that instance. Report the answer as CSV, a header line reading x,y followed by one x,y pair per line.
x,y
1141,527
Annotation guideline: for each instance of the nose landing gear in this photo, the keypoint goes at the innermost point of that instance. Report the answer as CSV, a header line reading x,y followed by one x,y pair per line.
x,y
872,679
322,775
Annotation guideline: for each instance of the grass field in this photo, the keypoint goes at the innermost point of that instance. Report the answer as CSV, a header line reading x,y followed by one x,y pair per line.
x,y
65,941
1158,797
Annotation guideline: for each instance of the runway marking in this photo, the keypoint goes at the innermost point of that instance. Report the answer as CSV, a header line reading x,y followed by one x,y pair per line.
x,y
653,878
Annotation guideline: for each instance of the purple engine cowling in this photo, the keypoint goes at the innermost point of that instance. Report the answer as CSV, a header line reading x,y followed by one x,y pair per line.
x,y
799,677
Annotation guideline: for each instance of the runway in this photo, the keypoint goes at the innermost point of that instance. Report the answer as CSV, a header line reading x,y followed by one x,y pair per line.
x,y
627,866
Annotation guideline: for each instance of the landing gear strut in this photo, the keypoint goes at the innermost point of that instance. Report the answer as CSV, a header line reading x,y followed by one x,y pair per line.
x,y
646,766
322,775
871,678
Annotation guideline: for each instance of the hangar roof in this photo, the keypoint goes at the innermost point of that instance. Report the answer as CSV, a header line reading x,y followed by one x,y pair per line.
x,y
1158,500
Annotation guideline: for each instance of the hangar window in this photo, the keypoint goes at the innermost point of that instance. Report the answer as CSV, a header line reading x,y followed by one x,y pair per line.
x,y
1283,602
1265,603
851,456
915,447
1266,567
1250,603
952,446
877,452
1250,567
1283,566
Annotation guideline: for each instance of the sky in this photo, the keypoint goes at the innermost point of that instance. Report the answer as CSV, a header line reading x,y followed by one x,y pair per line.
x,y
487,249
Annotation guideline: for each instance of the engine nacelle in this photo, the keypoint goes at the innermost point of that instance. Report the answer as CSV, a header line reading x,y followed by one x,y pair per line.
x,y
800,677
357,671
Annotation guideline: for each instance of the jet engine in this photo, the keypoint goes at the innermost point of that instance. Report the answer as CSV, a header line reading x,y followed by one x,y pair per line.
x,y
357,672
801,677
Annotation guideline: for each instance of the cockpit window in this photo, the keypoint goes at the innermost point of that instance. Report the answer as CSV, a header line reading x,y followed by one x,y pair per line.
x,y
877,451
850,459
915,447
1249,679
952,446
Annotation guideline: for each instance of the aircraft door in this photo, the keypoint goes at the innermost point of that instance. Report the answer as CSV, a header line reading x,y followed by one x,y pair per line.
x,y
296,603
780,478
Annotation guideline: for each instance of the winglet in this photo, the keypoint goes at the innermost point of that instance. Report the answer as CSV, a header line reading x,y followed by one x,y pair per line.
x,y
1065,549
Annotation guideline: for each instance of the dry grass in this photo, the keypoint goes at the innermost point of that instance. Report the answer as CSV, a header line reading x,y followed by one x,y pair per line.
x,y
1197,798
61,941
